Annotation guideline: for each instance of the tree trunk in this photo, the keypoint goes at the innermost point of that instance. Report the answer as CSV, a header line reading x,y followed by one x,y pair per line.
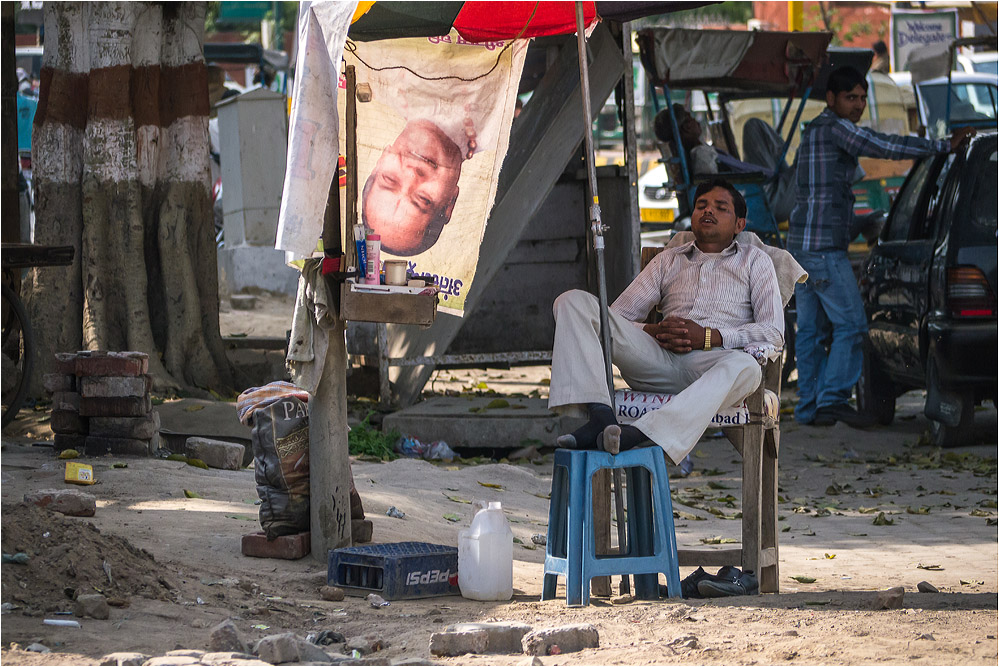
x,y
121,165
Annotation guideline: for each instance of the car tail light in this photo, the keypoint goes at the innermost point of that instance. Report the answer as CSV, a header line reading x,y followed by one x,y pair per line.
x,y
969,293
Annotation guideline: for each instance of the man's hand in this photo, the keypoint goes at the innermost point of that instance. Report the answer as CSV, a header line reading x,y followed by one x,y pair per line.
x,y
677,334
961,136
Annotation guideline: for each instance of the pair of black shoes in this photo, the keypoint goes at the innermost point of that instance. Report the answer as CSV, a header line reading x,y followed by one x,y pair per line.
x,y
730,580
842,412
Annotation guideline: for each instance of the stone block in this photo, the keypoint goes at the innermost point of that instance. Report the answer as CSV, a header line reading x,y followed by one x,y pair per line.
x,y
68,422
65,363
288,547
172,661
68,401
243,301
138,428
123,659
450,644
99,445
215,453
91,363
926,587
366,644
56,382
64,441
502,637
131,406
186,653
106,386
289,647
70,502
361,530
225,637
93,606
230,658
568,639
889,599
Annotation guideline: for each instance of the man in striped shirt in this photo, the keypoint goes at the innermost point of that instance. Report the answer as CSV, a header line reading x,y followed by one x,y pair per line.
x,y
717,295
821,226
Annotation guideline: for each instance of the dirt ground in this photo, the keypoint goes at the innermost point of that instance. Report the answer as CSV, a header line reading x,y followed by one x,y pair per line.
x,y
176,569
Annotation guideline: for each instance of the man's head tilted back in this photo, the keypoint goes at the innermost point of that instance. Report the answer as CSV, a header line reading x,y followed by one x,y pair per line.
x,y
719,214
846,93
411,192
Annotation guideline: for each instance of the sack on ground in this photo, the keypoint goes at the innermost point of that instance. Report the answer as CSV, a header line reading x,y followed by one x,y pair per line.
x,y
280,438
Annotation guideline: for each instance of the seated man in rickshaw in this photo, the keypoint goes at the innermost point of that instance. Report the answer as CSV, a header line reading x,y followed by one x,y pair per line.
x,y
760,141
717,296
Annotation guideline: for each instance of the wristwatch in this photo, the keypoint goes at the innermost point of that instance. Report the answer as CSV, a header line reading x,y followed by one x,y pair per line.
x,y
707,338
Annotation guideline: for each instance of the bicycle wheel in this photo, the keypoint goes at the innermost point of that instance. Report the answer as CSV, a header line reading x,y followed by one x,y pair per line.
x,y
18,355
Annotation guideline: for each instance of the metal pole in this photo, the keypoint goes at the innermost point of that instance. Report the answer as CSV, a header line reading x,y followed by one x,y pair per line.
x,y
596,226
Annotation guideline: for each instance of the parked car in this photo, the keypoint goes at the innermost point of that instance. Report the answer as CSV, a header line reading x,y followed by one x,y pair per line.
x,y
657,199
973,100
929,290
984,62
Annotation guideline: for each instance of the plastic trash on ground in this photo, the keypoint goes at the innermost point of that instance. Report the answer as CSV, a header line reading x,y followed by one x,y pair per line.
x,y
433,451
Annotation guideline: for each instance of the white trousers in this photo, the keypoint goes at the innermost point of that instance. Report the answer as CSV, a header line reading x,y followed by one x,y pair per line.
x,y
703,382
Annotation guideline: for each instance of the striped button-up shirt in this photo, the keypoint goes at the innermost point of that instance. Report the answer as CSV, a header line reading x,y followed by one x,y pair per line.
x,y
827,162
734,291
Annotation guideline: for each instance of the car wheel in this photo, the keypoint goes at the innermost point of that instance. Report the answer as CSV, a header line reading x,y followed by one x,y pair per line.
x,y
957,431
875,392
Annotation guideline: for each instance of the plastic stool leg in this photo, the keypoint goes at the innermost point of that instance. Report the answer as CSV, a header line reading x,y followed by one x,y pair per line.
x,y
667,529
577,591
641,529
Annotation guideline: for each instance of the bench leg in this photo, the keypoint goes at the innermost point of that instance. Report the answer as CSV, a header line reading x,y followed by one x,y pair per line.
x,y
770,574
752,468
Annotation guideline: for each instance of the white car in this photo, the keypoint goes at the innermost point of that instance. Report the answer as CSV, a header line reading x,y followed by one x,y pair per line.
x,y
973,100
983,62
656,197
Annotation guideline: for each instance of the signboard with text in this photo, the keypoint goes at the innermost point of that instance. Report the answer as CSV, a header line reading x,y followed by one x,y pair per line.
x,y
922,33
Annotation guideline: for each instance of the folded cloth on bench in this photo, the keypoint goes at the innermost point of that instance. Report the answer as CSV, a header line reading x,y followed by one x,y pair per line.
x,y
631,405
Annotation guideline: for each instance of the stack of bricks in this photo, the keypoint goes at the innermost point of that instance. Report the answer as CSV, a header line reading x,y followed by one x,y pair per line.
x,y
101,404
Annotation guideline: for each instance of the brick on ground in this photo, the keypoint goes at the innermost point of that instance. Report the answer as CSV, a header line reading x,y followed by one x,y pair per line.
x,y
502,637
66,400
360,530
55,382
450,644
287,547
95,363
115,407
97,445
105,386
65,363
140,428
70,502
215,453
68,422
568,638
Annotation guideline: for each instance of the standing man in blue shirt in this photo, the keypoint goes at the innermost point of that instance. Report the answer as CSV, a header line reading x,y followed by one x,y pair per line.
x,y
818,237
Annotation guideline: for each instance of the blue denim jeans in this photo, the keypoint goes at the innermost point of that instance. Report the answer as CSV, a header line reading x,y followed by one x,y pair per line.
x,y
831,329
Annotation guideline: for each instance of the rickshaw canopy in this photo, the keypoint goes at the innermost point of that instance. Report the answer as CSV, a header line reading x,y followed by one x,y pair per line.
x,y
727,61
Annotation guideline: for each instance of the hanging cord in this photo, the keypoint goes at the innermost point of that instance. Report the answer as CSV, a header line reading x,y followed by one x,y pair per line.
x,y
351,47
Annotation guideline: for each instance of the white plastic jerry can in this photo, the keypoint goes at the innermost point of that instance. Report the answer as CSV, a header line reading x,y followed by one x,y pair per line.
x,y
485,556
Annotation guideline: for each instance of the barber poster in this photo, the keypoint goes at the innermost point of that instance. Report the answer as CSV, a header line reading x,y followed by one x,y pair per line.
x,y
921,33
431,142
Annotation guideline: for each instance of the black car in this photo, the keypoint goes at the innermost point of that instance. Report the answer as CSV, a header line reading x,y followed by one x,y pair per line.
x,y
929,289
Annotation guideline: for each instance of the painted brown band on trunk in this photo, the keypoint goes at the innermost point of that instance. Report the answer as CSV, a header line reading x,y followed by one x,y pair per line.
x,y
68,105
151,95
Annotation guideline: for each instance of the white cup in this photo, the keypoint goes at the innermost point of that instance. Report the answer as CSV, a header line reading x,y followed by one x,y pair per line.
x,y
395,272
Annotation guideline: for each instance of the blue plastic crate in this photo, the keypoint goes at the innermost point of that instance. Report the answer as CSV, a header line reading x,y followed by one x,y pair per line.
x,y
395,571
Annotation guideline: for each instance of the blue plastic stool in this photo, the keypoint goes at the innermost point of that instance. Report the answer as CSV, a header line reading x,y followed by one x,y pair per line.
x,y
571,547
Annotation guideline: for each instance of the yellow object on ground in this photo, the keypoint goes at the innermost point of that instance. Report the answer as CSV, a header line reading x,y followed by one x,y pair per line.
x,y
79,473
